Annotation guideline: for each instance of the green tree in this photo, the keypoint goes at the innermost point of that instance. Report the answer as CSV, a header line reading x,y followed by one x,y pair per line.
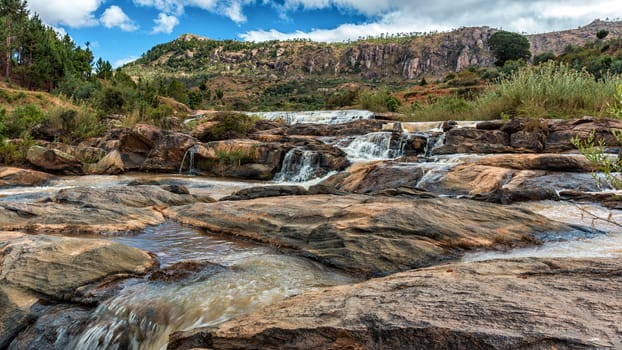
x,y
601,34
178,91
103,69
509,46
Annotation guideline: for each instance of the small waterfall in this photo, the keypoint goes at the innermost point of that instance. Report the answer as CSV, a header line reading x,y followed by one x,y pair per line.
x,y
300,165
190,155
376,146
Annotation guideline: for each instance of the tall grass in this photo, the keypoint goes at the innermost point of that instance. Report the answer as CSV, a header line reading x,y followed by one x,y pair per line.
x,y
550,90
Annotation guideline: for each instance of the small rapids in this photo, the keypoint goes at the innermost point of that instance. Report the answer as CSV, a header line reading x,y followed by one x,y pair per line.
x,y
316,117
145,313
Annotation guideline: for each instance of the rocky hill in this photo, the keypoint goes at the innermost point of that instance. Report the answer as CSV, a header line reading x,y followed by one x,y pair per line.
x,y
556,42
387,58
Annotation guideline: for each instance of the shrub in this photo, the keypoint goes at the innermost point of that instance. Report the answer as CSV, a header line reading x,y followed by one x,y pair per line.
x,y
232,125
21,120
378,101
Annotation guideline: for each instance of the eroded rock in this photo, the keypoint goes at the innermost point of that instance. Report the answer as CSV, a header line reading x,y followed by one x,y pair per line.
x,y
501,304
373,235
90,210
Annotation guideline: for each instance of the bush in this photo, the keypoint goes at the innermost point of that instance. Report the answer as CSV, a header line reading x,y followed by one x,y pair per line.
x,y
21,120
77,125
231,125
378,101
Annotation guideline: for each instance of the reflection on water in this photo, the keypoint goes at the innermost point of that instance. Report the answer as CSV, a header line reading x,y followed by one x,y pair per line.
x,y
144,314
173,242
600,246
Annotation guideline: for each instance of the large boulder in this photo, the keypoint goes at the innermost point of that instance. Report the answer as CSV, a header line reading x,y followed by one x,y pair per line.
x,y
561,132
503,304
372,235
54,161
22,177
56,266
36,267
111,164
148,148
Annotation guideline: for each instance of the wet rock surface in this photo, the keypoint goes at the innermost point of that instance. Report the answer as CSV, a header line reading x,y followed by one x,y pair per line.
x,y
502,304
372,235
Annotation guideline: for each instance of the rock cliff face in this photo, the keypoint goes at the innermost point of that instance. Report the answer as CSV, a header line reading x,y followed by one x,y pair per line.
x,y
434,54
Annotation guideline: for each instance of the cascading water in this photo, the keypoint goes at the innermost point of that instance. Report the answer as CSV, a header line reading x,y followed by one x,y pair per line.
x,y
190,152
300,165
376,146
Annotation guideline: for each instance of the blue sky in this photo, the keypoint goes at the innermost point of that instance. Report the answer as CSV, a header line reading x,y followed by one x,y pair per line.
x,y
121,30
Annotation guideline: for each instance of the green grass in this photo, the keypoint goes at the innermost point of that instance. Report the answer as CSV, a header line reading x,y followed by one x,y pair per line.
x,y
551,90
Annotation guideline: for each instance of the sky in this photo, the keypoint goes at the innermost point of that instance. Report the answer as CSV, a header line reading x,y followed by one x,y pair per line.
x,y
121,30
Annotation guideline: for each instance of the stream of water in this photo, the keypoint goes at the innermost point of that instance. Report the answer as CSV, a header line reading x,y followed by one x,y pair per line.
x,y
242,277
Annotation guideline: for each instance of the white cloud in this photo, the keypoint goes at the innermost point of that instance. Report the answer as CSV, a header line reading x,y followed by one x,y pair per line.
x,y
66,12
397,16
165,24
115,17
176,7
233,9
123,61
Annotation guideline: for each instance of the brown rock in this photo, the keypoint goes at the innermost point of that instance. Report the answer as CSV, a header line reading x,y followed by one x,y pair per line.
x,y
94,211
22,177
111,164
502,304
148,148
562,132
370,234
357,127
550,162
266,191
533,140
15,316
57,266
472,180
471,135
375,176
54,161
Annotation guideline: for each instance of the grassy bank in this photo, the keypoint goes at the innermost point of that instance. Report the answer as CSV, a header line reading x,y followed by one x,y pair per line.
x,y
550,90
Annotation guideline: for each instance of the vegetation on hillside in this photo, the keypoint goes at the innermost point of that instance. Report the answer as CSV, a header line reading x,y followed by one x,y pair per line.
x,y
91,95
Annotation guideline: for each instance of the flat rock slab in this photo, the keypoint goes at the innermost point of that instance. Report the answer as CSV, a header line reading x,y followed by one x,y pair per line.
x,y
88,210
503,304
372,235
10,177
